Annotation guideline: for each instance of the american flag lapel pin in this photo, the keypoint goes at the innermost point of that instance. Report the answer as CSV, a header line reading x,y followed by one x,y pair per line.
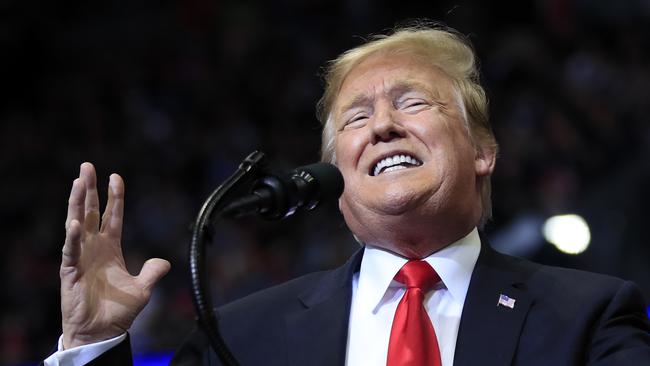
x,y
506,301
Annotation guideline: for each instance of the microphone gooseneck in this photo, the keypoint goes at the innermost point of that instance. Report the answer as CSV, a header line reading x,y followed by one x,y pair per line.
x,y
271,196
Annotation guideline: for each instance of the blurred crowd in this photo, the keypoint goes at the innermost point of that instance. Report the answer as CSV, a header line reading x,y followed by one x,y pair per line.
x,y
173,95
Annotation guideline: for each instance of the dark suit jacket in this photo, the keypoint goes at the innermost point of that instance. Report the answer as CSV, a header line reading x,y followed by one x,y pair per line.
x,y
560,317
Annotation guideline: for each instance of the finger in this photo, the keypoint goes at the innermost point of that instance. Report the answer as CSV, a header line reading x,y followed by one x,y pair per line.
x,y
114,212
72,246
87,173
76,202
152,271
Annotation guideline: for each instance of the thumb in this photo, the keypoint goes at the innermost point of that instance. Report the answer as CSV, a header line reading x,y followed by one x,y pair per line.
x,y
152,271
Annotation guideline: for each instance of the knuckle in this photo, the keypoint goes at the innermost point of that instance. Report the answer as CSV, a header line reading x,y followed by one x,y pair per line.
x,y
65,254
65,271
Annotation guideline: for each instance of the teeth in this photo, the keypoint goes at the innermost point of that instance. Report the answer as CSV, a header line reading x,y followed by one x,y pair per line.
x,y
394,167
392,163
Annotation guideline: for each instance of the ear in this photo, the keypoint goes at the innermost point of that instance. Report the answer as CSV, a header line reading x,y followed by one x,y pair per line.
x,y
484,161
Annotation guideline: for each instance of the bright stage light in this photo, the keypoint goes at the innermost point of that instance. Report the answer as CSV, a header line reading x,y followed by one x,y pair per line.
x,y
569,233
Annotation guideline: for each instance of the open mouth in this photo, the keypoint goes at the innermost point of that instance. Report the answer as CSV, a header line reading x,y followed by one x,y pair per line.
x,y
394,162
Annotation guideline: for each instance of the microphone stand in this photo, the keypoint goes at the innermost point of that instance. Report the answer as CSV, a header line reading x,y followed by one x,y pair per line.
x,y
248,170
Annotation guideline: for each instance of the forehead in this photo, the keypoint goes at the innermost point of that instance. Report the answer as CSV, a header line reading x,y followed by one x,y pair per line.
x,y
381,72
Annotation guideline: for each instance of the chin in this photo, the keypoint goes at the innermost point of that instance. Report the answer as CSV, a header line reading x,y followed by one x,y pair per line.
x,y
395,202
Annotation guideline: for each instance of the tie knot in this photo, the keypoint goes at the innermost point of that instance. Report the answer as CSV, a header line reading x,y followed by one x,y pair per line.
x,y
418,274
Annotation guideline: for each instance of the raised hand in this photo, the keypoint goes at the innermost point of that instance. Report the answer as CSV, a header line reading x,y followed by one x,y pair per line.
x,y
100,299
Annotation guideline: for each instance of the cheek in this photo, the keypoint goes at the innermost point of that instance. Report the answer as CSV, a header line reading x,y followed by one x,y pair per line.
x,y
428,127
348,147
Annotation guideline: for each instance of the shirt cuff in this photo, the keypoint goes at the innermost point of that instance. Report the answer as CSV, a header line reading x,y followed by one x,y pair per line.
x,y
81,355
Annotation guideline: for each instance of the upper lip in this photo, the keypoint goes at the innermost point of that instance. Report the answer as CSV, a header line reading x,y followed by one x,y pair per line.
x,y
390,153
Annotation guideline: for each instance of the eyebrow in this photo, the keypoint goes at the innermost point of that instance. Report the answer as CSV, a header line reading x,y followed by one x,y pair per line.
x,y
402,87
359,100
398,88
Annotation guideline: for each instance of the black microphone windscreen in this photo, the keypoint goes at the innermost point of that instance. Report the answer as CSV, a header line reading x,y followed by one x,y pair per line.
x,y
329,179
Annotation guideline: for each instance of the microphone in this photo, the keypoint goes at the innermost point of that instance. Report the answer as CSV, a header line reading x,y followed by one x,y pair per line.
x,y
276,197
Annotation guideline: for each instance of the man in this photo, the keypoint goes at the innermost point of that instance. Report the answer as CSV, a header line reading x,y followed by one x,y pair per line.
x,y
405,120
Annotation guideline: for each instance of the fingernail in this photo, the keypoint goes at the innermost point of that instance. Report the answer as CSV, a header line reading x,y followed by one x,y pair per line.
x,y
81,167
76,182
112,183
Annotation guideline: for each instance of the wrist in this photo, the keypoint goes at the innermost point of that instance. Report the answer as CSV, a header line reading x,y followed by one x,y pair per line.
x,y
71,340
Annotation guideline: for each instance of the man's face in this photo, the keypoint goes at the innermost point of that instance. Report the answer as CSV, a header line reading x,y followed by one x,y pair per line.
x,y
402,145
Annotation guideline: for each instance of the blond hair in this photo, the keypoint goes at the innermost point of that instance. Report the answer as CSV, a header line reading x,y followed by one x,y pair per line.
x,y
444,48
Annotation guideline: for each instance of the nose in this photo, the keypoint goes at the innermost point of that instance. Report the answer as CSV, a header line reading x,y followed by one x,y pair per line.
x,y
385,127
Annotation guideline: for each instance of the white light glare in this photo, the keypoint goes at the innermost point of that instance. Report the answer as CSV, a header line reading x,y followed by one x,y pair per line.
x,y
569,233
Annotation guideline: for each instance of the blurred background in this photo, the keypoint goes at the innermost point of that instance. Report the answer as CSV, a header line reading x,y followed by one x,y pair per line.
x,y
173,95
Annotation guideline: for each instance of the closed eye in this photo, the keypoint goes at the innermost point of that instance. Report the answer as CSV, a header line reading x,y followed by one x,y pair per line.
x,y
413,104
356,121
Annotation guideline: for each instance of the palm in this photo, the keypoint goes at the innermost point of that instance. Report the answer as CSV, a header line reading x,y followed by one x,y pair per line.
x,y
99,298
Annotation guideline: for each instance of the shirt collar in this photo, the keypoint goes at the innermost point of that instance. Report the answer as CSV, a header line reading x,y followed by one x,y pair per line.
x,y
454,264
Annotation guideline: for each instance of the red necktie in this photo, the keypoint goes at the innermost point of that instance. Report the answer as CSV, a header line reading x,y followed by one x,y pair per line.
x,y
412,338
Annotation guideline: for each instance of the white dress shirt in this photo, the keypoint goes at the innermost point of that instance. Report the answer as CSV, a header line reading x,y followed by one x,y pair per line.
x,y
375,296
374,300
81,355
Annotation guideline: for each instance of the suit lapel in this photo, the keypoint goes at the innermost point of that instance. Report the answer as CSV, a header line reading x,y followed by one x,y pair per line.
x,y
317,335
490,331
